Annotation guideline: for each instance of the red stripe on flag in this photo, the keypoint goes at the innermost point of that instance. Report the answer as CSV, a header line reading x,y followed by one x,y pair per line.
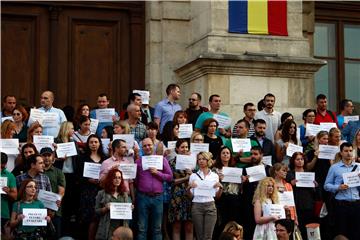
x,y
277,17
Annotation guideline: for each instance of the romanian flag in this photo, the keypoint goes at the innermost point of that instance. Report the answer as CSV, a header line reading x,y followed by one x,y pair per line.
x,y
258,17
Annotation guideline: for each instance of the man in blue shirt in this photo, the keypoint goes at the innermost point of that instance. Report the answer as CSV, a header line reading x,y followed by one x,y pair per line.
x,y
348,133
347,199
166,108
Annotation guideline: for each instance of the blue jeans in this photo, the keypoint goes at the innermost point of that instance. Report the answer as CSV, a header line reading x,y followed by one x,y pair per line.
x,y
150,209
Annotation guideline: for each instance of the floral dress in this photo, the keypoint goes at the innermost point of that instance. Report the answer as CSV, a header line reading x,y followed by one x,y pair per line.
x,y
180,203
265,231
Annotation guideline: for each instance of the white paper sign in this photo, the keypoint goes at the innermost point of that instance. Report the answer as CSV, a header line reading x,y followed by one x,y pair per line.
x,y
185,130
267,160
92,170
43,141
352,179
105,114
232,174
185,162
256,173
274,210
286,198
305,179
312,129
224,121
171,144
50,119
326,126
94,123
292,148
205,188
154,161
67,149
36,115
34,217
9,146
328,151
145,96
128,138
347,119
243,144
128,170
120,210
7,118
3,183
199,147
49,199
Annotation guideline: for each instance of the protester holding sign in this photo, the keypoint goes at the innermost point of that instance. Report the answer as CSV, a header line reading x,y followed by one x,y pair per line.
x,y
210,127
307,140
180,203
28,199
114,192
82,110
89,187
288,136
229,204
21,163
34,129
265,193
304,196
278,172
20,116
204,213
81,135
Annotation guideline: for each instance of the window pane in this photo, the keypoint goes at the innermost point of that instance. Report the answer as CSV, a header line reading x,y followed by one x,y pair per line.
x,y
324,40
352,41
352,82
325,82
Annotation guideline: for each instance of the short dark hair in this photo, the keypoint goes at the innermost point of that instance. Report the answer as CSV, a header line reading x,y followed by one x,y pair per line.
x,y
6,96
249,104
4,158
287,223
171,87
116,143
207,123
104,95
343,103
132,96
247,124
32,159
320,97
307,111
259,121
257,148
212,96
269,95
198,95
152,125
345,144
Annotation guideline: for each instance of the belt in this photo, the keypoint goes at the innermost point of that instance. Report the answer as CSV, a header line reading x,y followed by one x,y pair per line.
x,y
347,203
151,194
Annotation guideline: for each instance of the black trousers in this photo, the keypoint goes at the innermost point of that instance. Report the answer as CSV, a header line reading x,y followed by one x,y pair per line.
x,y
347,215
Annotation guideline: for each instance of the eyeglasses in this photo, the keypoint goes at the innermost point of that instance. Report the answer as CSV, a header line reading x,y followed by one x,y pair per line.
x,y
192,100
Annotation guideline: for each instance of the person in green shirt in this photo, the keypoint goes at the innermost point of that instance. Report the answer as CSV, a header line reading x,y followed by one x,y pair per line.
x,y
8,191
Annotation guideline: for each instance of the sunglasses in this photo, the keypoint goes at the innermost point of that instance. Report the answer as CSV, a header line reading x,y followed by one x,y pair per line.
x,y
16,114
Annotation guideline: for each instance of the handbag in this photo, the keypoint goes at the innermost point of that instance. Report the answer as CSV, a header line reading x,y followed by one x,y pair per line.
x,y
297,233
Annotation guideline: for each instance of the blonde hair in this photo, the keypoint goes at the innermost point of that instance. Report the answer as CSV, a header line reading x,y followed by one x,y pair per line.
x,y
32,128
6,128
261,191
64,131
232,227
318,136
276,167
208,156
193,136
123,124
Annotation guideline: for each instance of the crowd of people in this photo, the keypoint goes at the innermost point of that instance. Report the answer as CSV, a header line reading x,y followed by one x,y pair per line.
x,y
236,183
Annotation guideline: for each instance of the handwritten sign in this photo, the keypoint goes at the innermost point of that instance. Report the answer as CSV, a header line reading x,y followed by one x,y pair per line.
x,y
185,162
36,115
328,151
286,198
267,160
347,119
43,141
185,130
352,179
292,148
326,126
305,179
94,123
120,210
274,210
154,161
9,146
49,199
256,173
224,121
232,175
67,149
145,96
199,147
34,217
50,119
205,188
171,144
312,129
128,170
3,183
105,114
243,144
92,170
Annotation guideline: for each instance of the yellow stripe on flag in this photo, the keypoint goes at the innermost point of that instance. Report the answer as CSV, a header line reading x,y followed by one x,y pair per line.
x,y
258,17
